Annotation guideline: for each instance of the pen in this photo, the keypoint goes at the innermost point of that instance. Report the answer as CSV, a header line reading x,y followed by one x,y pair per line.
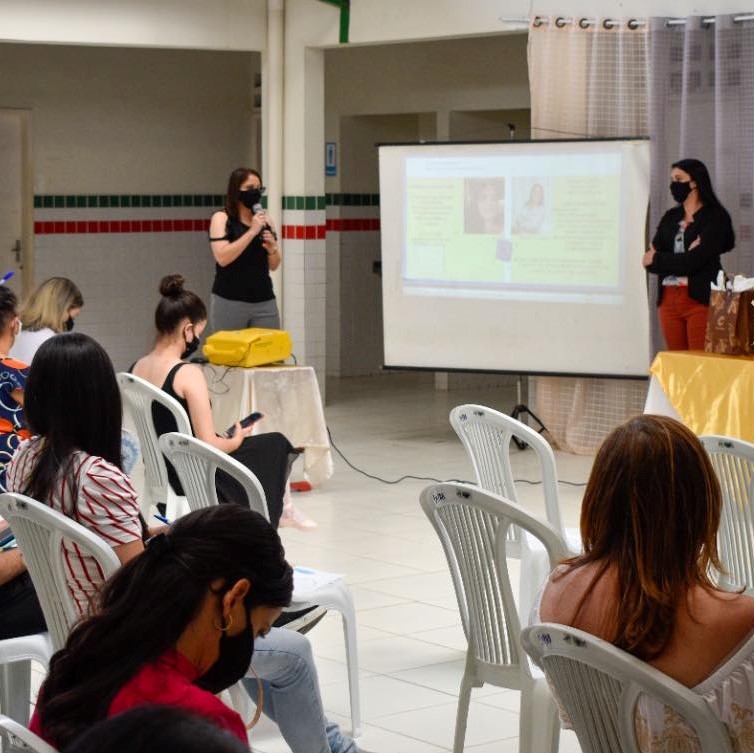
x,y
6,277
162,519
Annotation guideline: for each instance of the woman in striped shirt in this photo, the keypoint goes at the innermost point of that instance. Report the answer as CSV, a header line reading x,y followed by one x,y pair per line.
x,y
73,463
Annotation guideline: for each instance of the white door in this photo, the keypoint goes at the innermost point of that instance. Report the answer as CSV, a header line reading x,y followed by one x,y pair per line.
x,y
15,213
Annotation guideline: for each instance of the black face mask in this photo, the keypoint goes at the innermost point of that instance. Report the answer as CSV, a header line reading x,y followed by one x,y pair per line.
x,y
68,324
250,197
190,349
233,663
680,190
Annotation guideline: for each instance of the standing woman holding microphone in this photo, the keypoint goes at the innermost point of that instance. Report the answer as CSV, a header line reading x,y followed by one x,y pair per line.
x,y
685,254
244,244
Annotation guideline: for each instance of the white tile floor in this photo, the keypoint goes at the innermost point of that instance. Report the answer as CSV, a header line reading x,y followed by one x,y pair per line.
x,y
411,646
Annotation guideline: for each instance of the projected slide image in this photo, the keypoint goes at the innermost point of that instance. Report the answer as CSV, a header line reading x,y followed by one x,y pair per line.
x,y
531,206
484,206
509,233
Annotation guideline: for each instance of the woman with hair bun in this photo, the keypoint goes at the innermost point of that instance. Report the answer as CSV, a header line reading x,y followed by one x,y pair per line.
x,y
48,311
180,319
245,248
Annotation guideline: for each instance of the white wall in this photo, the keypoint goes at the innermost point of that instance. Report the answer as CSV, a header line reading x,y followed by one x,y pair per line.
x,y
118,121
192,24
460,89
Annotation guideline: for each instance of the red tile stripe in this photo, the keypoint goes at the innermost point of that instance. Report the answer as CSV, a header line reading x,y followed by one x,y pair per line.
x,y
353,224
72,227
300,232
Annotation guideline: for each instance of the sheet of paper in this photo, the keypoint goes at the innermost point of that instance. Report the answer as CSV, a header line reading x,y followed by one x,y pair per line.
x,y
306,579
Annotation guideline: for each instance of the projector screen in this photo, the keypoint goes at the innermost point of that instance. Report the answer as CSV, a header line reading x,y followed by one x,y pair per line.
x,y
520,257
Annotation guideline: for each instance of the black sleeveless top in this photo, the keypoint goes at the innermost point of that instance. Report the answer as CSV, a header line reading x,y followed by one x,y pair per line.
x,y
164,422
247,278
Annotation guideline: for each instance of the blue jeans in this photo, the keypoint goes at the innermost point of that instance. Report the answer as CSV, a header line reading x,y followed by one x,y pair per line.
x,y
284,662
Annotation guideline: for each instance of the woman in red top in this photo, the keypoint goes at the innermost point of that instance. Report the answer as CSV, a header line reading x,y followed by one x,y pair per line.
x,y
176,626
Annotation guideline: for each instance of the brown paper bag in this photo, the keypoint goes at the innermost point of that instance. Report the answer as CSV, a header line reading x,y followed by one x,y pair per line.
x,y
730,323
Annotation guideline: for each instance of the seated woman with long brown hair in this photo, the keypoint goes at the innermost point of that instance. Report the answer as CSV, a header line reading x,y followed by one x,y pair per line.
x,y
645,581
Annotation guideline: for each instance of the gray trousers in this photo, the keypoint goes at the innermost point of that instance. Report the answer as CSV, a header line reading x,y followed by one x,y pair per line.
x,y
231,315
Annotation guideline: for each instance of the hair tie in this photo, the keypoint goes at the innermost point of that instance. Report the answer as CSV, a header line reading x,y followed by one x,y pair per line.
x,y
160,544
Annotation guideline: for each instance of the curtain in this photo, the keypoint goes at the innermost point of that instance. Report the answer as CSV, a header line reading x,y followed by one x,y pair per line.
x,y
702,106
588,78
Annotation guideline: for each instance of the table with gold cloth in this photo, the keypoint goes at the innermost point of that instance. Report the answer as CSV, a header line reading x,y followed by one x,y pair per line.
x,y
709,393
290,400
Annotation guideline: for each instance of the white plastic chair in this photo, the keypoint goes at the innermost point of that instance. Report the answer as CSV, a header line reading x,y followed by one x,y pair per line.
x,y
138,397
733,461
19,738
196,463
473,527
486,435
16,655
598,686
40,531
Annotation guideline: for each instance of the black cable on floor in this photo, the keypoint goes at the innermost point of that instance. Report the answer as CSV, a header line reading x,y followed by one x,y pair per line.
x,y
427,478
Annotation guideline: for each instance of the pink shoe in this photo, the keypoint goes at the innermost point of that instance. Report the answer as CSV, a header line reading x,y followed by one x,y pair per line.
x,y
292,517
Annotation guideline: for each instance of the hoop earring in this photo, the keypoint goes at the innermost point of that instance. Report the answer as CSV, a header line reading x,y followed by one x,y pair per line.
x,y
226,628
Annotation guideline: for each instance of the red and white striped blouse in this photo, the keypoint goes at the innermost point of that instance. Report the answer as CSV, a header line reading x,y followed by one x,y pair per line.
x,y
93,492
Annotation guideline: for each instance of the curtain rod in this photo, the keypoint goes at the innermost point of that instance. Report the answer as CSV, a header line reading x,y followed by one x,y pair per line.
x,y
611,23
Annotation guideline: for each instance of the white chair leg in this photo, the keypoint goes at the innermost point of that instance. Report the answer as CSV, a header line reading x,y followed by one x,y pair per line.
x,y
462,714
15,691
241,702
539,725
338,597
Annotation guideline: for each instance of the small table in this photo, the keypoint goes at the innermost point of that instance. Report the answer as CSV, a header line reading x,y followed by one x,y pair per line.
x,y
710,393
290,400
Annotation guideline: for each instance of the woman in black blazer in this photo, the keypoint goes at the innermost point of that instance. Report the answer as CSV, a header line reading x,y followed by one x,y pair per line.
x,y
685,254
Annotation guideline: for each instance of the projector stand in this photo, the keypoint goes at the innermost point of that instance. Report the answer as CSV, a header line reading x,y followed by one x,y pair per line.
x,y
521,409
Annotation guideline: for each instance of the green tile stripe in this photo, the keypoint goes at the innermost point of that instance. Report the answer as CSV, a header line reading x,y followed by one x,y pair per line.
x,y
352,199
127,201
119,201
331,200
303,202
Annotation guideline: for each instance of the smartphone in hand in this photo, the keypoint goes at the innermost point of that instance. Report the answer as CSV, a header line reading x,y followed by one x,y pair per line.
x,y
252,418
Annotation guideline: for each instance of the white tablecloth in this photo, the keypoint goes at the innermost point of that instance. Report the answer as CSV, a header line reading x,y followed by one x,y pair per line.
x,y
290,400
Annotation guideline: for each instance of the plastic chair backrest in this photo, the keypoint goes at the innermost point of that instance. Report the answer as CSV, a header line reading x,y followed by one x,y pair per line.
x,y
15,732
733,461
487,435
472,525
40,531
196,463
598,687
139,395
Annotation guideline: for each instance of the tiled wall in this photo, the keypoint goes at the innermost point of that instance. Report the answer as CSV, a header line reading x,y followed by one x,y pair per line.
x,y
354,292
116,248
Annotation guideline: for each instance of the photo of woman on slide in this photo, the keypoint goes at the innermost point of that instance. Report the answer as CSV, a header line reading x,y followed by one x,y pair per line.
x,y
484,210
531,216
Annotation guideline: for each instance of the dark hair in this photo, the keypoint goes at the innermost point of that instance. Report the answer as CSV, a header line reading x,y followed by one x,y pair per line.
x,y
8,306
237,177
698,172
651,510
72,400
145,607
176,304
156,729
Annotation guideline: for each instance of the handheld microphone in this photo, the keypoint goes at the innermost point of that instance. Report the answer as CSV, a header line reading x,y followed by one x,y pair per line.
x,y
256,209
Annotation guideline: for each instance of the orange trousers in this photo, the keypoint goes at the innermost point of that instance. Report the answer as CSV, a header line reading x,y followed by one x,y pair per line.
x,y
683,320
